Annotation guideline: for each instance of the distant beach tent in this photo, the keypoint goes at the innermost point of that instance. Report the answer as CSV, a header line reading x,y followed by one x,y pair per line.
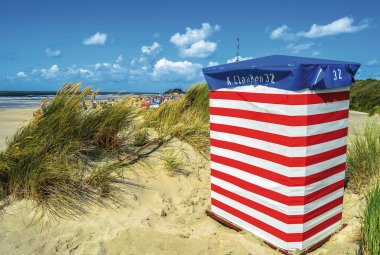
x,y
155,104
278,128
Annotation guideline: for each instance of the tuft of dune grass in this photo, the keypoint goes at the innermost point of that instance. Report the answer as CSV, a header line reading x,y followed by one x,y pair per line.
x,y
186,118
363,157
172,162
370,232
51,160
363,173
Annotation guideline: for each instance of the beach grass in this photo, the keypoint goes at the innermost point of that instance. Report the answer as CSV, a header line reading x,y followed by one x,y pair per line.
x,y
186,119
370,243
172,163
140,136
363,157
54,160
363,174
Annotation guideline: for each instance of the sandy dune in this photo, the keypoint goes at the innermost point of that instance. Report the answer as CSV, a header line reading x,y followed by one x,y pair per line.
x,y
165,215
11,120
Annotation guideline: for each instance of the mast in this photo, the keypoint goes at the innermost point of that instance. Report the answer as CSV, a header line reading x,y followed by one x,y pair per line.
x,y
237,49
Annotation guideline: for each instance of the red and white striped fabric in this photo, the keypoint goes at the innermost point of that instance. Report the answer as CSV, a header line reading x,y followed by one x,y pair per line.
x,y
278,161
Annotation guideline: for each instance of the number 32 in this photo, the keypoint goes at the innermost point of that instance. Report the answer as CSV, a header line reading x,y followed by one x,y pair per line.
x,y
337,74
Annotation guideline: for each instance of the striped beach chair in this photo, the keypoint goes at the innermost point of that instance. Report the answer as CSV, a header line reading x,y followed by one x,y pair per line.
x,y
278,135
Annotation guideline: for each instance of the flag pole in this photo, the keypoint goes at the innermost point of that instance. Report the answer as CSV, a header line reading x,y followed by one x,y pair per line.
x,y
237,49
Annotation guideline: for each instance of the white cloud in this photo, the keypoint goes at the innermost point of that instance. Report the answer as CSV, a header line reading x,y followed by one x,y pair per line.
x,y
339,26
316,53
52,53
199,49
297,48
21,74
151,50
282,33
47,73
193,43
101,65
373,62
119,59
212,63
232,60
96,39
93,73
182,70
193,35
54,69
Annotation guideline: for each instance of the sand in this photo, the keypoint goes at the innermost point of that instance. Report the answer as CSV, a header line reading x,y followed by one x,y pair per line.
x,y
164,215
11,120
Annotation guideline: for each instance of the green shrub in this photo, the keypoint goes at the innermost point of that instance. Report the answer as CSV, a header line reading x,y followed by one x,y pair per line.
x,y
375,110
365,95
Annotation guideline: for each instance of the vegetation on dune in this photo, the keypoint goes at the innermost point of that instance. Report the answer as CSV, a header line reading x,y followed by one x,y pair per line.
x,y
172,163
365,96
370,243
51,160
363,157
60,159
140,137
363,172
186,119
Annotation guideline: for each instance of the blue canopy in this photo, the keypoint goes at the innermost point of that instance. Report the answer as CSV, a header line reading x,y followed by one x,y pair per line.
x,y
283,72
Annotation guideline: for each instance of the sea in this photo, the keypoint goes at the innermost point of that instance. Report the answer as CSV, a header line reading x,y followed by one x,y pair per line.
x,y
30,99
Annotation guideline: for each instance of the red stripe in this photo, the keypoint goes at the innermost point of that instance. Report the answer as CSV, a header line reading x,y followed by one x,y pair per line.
x,y
305,120
279,178
287,237
288,99
300,141
278,158
287,200
288,219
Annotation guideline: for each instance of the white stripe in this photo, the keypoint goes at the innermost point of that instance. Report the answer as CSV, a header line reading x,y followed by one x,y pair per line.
x,y
316,79
276,187
278,168
287,228
290,246
278,148
283,109
269,90
280,207
322,235
291,131
256,231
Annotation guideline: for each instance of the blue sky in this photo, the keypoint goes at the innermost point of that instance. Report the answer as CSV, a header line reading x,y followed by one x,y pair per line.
x,y
155,45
